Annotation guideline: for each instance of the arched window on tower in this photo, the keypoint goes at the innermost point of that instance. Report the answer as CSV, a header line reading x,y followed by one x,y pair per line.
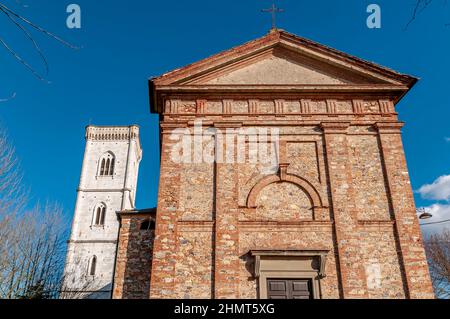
x,y
102,168
107,164
99,215
92,266
111,167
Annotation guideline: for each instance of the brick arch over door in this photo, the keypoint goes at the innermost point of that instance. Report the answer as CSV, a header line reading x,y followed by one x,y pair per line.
x,y
306,186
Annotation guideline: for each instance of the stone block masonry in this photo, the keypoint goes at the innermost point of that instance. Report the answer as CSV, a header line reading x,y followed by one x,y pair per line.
x,y
336,209
330,215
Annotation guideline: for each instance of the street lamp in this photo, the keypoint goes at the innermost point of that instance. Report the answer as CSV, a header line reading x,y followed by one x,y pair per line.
x,y
423,214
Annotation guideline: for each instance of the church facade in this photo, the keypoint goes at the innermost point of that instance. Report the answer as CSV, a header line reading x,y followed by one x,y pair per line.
x,y
282,176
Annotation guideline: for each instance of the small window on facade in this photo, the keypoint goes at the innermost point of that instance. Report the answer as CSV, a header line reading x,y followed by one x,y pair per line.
x,y
148,224
93,265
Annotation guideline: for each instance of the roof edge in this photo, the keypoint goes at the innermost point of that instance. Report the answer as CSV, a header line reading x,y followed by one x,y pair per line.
x,y
274,36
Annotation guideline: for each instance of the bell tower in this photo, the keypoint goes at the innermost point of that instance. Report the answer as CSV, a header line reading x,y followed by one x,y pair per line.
x,y
107,185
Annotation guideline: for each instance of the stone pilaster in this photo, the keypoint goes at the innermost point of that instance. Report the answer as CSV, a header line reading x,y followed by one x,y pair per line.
x,y
352,275
165,246
226,269
409,236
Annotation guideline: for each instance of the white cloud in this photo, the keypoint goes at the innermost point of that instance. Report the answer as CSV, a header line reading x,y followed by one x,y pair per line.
x,y
447,139
438,190
440,213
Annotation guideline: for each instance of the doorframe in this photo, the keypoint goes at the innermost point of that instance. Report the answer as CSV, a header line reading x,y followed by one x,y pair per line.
x,y
279,270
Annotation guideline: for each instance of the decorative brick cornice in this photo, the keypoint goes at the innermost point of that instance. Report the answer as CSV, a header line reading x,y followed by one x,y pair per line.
x,y
200,106
335,127
279,106
227,105
387,106
253,105
168,127
174,124
230,124
331,106
389,127
205,124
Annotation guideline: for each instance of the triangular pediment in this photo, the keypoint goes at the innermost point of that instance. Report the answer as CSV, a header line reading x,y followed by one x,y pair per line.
x,y
281,61
282,66
281,58
275,70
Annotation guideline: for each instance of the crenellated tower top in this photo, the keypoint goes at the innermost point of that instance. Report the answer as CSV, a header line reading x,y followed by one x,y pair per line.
x,y
113,133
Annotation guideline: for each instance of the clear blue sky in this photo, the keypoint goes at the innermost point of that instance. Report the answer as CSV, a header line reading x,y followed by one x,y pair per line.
x,y
126,42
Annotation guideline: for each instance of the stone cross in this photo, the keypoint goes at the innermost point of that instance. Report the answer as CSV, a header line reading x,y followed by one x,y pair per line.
x,y
273,10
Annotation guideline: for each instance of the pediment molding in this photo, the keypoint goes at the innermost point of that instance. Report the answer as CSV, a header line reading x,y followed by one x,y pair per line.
x,y
280,62
296,65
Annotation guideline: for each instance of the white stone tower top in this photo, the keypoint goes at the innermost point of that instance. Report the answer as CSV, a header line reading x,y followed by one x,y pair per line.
x,y
107,185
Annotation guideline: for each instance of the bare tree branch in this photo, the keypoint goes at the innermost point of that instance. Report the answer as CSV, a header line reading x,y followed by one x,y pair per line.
x,y
28,35
35,26
19,58
21,23
34,257
12,194
32,245
438,253
419,7
9,98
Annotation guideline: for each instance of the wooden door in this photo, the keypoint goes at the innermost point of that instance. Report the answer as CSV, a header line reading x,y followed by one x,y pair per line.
x,y
289,289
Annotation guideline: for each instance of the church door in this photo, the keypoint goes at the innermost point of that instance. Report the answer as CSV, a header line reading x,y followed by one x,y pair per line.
x,y
289,289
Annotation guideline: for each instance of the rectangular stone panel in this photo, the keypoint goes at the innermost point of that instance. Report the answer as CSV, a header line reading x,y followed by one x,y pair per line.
x,y
291,106
344,107
239,106
371,107
371,198
197,176
196,198
303,160
187,107
266,107
214,107
193,270
318,106
250,172
381,263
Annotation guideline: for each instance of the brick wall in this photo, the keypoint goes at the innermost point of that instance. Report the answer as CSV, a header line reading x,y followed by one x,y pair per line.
x,y
134,256
341,185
